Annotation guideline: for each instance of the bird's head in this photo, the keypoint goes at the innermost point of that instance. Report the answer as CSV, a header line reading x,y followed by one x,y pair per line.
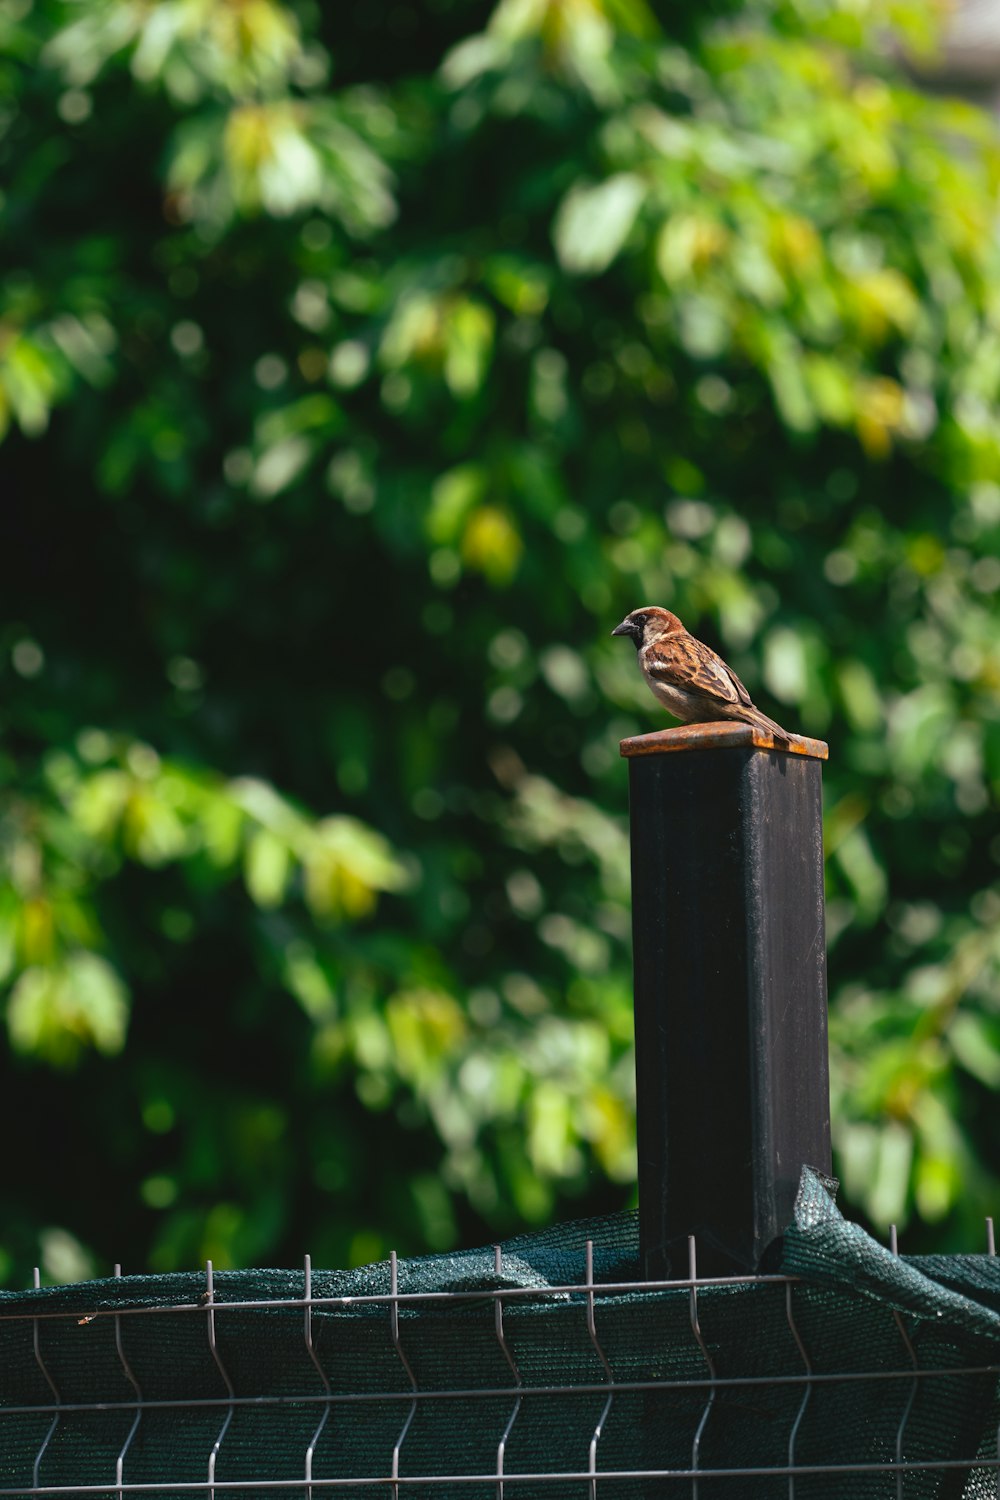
x,y
645,624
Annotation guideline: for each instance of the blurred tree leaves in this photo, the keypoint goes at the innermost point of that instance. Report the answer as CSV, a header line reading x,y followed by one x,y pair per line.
x,y
359,369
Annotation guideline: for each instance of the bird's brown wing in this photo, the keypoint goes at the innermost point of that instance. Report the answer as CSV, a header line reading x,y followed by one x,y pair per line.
x,y
684,662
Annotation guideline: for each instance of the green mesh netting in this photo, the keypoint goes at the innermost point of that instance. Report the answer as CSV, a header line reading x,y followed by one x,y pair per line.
x,y
727,1399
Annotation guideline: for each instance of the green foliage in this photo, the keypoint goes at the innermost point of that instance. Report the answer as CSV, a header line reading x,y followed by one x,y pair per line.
x,y
358,374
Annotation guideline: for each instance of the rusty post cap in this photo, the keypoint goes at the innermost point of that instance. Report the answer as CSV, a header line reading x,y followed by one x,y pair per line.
x,y
721,735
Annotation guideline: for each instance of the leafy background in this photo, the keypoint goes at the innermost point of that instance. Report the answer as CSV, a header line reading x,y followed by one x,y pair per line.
x,y
359,368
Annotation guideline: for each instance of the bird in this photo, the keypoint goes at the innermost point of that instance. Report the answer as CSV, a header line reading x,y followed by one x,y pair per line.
x,y
688,677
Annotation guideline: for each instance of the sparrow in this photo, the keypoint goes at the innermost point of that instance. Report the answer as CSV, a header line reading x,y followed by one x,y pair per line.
x,y
687,676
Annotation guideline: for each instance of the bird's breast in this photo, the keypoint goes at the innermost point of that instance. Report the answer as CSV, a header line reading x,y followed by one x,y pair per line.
x,y
683,705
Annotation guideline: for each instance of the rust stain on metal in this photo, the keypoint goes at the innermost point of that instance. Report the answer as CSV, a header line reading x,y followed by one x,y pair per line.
x,y
721,735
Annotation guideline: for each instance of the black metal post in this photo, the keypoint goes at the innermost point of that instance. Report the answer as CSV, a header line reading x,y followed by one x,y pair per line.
x,y
730,989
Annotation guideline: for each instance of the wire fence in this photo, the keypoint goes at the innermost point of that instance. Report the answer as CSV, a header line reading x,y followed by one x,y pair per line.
x,y
695,1386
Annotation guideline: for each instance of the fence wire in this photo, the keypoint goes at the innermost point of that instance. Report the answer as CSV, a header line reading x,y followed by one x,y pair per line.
x,y
755,1386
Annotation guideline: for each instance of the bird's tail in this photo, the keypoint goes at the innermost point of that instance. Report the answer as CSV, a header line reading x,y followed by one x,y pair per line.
x,y
761,721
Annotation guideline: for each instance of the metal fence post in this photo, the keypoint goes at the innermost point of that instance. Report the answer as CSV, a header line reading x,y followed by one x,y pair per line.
x,y
730,989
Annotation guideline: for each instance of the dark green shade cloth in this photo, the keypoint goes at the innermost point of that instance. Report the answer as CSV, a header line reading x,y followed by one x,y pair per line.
x,y
722,1380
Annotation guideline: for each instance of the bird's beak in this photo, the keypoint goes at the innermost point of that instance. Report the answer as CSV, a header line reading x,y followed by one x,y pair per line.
x,y
625,628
